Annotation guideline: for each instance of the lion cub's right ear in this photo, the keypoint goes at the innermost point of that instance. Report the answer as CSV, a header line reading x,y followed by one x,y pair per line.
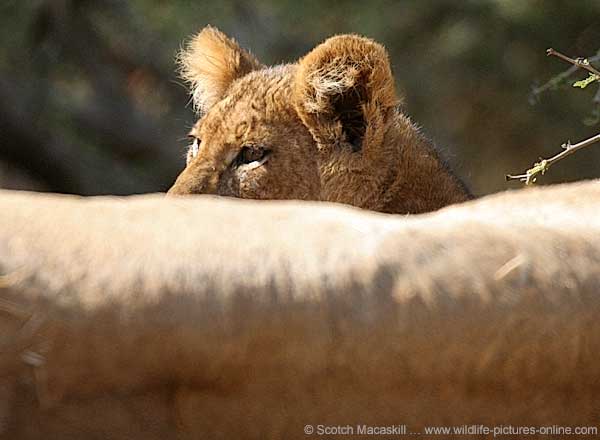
x,y
344,90
210,63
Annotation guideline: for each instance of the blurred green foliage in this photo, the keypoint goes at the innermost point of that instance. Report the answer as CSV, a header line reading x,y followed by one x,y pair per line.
x,y
90,101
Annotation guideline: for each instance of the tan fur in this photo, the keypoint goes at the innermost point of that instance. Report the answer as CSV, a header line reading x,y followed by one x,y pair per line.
x,y
202,317
331,122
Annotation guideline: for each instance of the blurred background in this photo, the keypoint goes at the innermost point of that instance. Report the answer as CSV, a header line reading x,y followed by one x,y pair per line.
x,y
90,102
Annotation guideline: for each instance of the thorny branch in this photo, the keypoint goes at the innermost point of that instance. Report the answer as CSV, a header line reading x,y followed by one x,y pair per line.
x,y
582,63
543,165
558,79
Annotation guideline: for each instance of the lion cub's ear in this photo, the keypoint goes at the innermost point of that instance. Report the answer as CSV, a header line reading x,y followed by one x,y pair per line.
x,y
343,91
210,63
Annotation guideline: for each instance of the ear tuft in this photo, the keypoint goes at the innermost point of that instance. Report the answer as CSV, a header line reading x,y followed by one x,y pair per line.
x,y
339,87
210,63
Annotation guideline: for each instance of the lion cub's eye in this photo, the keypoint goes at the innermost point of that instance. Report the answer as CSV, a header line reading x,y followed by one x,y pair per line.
x,y
253,155
193,149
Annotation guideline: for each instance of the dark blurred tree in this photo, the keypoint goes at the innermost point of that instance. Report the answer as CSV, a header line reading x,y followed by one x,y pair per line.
x,y
90,102
87,106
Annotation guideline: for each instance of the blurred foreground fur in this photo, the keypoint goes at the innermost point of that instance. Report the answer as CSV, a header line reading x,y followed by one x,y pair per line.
x,y
328,127
149,318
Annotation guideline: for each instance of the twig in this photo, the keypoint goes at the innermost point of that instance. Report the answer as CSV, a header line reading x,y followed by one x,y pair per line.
x,y
557,79
543,165
582,63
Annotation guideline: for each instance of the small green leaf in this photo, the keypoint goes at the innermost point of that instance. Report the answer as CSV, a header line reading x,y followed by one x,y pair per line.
x,y
586,82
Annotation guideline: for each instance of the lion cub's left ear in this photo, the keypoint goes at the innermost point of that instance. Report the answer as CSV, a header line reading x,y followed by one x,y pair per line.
x,y
343,91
